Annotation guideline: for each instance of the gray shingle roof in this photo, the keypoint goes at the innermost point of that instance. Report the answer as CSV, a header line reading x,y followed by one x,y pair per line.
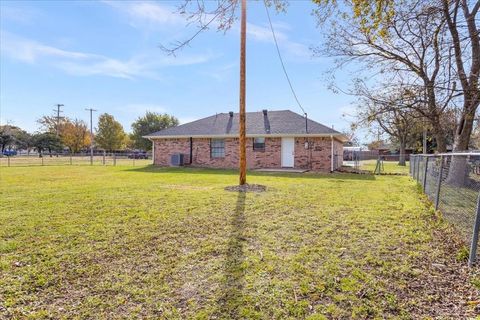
x,y
283,122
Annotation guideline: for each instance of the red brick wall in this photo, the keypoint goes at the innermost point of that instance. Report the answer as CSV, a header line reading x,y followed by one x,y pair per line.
x,y
316,157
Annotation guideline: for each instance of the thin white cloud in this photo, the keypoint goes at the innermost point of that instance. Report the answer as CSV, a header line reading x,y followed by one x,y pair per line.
x,y
86,64
223,72
150,15
23,14
146,13
264,34
30,51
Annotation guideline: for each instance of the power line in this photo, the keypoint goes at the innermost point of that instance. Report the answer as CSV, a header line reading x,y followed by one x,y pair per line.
x,y
281,60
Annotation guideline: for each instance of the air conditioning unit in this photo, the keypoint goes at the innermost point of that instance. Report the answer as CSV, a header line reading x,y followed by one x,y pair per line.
x,y
176,160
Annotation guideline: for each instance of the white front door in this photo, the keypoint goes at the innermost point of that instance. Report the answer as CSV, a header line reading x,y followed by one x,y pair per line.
x,y
288,152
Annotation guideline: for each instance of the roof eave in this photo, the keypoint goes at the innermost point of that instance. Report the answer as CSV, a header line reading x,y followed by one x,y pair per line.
x,y
338,136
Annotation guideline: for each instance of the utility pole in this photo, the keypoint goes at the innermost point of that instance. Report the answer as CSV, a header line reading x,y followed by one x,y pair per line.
x,y
243,148
58,111
91,134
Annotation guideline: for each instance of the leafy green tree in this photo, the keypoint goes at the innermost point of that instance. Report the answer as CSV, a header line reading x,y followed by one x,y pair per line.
x,y
14,137
6,137
46,141
24,140
109,135
149,123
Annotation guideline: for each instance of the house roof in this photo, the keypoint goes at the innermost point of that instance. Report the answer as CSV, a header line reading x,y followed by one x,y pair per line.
x,y
263,123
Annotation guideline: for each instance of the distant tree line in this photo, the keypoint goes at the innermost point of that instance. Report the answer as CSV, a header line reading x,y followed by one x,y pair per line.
x,y
58,134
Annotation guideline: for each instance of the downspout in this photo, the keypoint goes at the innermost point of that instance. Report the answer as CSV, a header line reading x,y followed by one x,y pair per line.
x,y
331,156
306,123
308,143
153,151
191,151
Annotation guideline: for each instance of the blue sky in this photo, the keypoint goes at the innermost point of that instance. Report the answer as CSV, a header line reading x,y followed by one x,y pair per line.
x,y
105,55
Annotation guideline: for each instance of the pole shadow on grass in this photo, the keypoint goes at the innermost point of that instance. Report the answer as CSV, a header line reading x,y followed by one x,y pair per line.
x,y
233,278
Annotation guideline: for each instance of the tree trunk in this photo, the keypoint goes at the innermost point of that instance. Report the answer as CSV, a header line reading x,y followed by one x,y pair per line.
x,y
401,160
441,140
464,129
458,171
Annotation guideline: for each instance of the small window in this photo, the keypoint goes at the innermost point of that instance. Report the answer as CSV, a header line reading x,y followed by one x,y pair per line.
x,y
217,148
259,144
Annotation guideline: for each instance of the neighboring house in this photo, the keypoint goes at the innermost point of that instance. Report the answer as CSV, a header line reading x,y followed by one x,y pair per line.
x,y
275,139
386,149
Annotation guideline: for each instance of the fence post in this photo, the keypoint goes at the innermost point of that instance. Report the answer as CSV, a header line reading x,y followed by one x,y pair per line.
x,y
8,160
412,166
425,175
103,160
114,159
71,163
473,246
439,183
42,159
134,161
418,168
415,167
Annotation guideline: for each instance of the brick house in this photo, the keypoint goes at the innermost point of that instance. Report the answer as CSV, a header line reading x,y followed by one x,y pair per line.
x,y
275,139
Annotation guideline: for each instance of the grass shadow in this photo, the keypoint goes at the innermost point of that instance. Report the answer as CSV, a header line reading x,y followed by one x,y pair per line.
x,y
234,280
306,175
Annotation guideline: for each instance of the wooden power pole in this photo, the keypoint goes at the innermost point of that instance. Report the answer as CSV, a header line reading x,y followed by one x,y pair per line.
x,y
243,148
58,111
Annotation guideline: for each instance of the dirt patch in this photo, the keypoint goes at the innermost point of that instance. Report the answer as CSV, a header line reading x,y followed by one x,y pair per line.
x,y
247,188
444,285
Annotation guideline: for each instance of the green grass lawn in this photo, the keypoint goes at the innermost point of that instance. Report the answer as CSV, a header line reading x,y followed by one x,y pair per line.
x,y
389,167
122,242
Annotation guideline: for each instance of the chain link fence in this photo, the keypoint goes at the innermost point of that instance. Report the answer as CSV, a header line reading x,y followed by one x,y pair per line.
x,y
107,159
452,182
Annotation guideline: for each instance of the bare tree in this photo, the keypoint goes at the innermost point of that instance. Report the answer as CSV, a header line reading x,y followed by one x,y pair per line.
x,y
391,113
461,18
413,50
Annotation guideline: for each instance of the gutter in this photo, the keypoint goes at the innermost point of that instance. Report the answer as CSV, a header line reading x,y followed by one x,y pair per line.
x,y
338,136
153,152
190,161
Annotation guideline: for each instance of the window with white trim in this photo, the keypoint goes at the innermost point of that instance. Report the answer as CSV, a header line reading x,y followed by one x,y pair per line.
x,y
259,144
217,148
